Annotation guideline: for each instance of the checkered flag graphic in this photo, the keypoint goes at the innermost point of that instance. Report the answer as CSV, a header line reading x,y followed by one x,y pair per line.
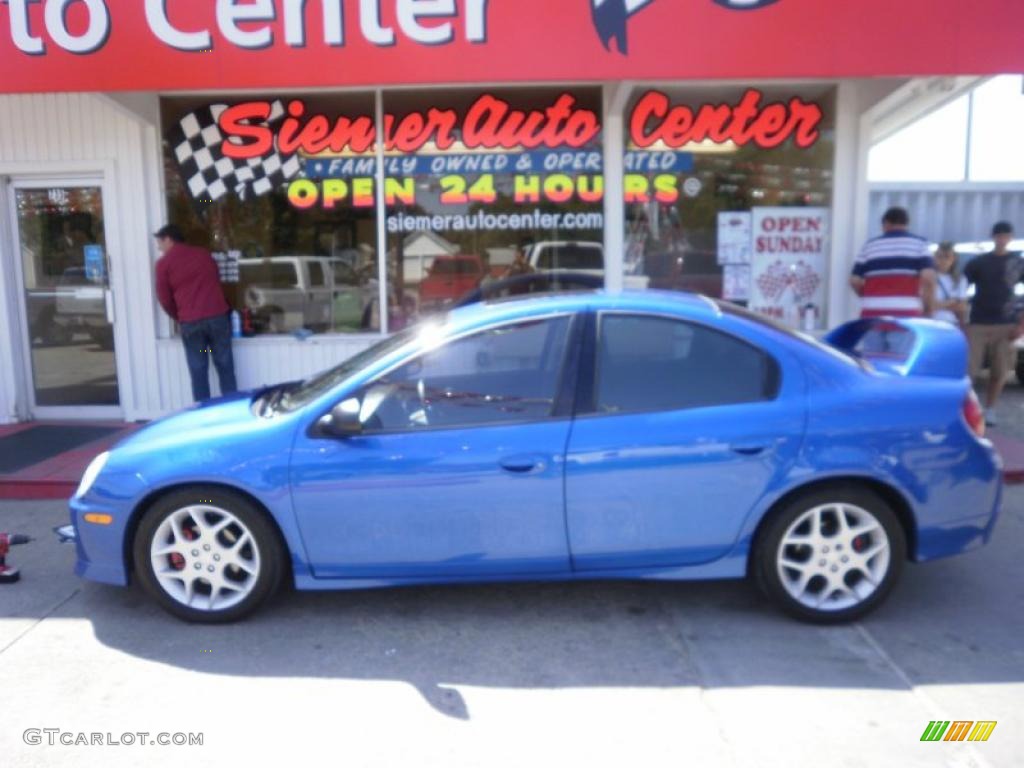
x,y
773,281
196,143
805,281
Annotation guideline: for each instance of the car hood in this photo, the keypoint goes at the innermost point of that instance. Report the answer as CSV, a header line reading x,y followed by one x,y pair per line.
x,y
220,418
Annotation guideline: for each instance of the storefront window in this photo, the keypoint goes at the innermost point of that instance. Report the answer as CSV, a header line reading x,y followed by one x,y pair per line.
x,y
491,193
281,190
728,193
497,192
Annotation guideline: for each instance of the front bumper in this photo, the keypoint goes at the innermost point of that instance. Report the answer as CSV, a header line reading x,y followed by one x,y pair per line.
x,y
100,549
106,574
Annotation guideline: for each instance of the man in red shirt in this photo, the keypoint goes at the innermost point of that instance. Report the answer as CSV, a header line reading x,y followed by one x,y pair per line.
x,y
188,288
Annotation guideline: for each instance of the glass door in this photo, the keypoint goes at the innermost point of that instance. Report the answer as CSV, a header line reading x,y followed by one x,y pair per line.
x,y
67,306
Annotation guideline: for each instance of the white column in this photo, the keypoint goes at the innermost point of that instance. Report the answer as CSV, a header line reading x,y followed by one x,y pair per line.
x,y
382,237
849,201
614,103
13,401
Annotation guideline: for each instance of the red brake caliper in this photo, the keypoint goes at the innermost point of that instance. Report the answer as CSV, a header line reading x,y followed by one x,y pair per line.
x,y
177,561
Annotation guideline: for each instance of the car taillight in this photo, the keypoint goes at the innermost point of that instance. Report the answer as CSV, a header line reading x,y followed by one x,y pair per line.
x,y
973,414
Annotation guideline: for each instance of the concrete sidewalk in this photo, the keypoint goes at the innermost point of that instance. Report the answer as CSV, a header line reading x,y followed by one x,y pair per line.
x,y
604,674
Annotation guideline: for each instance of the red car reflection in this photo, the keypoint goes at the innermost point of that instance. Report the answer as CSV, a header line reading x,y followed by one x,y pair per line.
x,y
450,277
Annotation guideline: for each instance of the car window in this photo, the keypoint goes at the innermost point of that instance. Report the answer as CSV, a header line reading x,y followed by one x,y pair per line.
x,y
316,274
571,256
502,375
443,267
658,364
806,339
344,274
270,274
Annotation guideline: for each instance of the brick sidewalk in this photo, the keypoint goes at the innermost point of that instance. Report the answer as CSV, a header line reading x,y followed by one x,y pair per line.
x,y
58,476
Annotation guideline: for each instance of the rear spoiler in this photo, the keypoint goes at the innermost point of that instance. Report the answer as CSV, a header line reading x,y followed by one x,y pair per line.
x,y
905,346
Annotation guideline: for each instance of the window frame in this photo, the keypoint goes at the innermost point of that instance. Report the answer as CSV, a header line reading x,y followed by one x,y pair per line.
x,y
587,390
566,386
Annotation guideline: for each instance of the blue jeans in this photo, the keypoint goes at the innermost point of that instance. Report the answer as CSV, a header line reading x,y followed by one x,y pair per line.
x,y
203,339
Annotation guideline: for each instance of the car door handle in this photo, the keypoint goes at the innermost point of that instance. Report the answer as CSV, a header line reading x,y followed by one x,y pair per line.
x,y
749,449
522,465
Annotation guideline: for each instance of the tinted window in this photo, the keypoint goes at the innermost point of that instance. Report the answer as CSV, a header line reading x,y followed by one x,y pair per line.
x,y
316,274
271,275
764,321
570,256
507,374
659,364
344,274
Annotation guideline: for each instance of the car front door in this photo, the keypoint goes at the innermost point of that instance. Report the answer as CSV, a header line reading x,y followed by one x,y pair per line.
x,y
685,429
458,470
318,294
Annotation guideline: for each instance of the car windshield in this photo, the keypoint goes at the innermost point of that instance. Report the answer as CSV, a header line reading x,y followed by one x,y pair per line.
x,y
312,388
571,256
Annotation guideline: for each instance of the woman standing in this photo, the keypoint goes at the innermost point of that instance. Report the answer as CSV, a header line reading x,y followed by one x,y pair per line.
x,y
951,287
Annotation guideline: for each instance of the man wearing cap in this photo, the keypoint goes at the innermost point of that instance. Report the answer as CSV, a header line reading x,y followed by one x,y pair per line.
x,y
994,323
188,288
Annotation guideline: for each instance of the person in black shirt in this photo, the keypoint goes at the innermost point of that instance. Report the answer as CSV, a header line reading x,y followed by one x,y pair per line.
x,y
994,323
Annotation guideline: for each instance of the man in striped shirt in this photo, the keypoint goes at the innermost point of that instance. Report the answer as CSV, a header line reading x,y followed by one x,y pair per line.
x,y
894,274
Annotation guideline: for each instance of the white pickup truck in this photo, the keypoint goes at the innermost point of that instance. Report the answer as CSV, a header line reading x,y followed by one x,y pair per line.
x,y
285,293
584,256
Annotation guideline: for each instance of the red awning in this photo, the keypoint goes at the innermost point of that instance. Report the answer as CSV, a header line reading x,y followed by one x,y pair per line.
x,y
100,45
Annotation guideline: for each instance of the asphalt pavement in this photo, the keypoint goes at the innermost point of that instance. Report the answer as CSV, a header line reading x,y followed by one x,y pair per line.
x,y
640,674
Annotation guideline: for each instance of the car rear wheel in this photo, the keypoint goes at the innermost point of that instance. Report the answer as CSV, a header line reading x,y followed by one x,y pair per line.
x,y
831,556
207,555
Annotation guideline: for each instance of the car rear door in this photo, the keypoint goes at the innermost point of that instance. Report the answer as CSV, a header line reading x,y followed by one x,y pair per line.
x,y
682,432
459,471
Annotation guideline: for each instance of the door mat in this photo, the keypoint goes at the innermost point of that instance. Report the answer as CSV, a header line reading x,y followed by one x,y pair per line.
x,y
35,444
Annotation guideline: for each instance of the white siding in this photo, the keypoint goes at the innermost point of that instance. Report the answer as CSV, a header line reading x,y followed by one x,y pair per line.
x,y
61,134
58,134
957,212
258,361
64,134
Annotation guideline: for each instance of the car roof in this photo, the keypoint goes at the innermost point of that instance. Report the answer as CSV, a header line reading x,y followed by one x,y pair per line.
x,y
512,308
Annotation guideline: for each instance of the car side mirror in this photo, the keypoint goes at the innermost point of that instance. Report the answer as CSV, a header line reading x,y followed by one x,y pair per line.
x,y
343,420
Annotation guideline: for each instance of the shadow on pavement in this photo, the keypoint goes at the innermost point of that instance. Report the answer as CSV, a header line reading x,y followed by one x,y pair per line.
x,y
955,621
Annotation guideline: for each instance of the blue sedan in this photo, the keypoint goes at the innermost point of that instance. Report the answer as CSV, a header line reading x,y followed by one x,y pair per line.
x,y
587,436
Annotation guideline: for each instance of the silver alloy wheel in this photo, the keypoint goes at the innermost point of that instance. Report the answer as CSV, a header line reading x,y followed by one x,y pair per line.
x,y
205,558
833,557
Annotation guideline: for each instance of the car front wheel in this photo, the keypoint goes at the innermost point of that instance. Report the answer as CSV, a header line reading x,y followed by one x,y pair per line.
x,y
831,556
207,555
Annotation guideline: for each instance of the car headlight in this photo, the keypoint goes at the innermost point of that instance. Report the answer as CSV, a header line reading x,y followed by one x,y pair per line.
x,y
91,473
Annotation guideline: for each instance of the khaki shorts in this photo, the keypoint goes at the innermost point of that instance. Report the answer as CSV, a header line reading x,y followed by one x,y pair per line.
x,y
992,341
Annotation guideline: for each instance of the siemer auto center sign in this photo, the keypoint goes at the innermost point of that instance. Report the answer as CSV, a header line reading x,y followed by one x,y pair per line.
x,y
99,45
